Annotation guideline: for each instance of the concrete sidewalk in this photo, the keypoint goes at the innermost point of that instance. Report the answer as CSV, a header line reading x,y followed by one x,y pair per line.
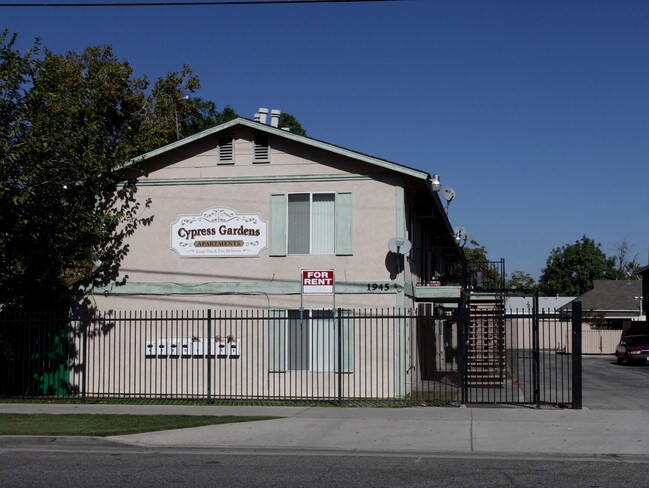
x,y
392,430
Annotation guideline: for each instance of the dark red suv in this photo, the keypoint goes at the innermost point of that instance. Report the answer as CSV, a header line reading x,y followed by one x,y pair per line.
x,y
633,348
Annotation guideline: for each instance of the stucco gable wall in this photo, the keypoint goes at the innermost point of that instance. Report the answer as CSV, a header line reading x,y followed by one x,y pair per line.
x,y
187,181
287,158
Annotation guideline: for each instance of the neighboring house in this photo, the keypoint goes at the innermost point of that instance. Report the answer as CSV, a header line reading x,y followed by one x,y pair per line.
x,y
643,272
241,209
610,303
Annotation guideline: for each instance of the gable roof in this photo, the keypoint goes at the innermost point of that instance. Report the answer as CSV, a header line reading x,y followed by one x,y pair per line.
x,y
612,295
258,126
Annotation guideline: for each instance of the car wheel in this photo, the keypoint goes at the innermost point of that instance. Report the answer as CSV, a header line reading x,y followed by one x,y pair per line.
x,y
619,360
628,360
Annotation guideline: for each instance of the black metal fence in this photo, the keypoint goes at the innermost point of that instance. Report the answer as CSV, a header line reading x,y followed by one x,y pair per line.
x,y
420,358
207,355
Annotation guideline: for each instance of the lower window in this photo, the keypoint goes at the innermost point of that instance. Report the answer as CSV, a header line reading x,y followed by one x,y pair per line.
x,y
310,341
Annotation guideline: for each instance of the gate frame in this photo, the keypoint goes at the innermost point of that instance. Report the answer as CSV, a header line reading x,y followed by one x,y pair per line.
x,y
574,376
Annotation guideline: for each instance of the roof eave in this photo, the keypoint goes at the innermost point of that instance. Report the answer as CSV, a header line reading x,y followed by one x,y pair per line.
x,y
412,172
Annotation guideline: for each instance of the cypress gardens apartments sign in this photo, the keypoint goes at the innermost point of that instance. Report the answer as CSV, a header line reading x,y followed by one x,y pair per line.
x,y
219,232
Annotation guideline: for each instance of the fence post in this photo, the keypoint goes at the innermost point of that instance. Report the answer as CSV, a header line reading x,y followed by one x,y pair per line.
x,y
84,360
340,356
576,356
462,329
209,356
536,346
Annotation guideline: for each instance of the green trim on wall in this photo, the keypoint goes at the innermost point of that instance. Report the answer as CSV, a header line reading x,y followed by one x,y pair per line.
x,y
238,288
400,231
278,223
344,224
236,180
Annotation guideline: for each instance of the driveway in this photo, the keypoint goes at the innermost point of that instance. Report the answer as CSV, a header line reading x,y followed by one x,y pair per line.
x,y
609,386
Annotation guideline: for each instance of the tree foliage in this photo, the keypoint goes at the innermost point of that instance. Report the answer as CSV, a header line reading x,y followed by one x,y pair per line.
x,y
289,121
173,113
67,124
69,121
625,261
571,269
520,280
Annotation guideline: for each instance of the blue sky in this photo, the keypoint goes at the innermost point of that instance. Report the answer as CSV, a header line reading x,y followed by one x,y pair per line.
x,y
535,112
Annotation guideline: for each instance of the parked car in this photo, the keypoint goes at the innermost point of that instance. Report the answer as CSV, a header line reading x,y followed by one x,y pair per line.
x,y
633,348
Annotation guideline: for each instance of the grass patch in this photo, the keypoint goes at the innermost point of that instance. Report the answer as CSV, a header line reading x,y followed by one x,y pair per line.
x,y
106,425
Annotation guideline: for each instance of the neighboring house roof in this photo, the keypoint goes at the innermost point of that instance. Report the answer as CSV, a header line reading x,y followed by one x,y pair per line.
x,y
258,126
615,297
642,270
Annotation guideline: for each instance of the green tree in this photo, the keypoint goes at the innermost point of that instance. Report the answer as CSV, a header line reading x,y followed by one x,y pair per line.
x,y
291,123
571,269
68,122
172,112
520,280
481,272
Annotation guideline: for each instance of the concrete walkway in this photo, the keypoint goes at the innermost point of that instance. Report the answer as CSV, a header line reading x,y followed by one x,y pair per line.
x,y
392,430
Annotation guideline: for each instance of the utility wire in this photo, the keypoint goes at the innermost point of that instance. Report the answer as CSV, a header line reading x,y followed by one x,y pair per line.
x,y
190,3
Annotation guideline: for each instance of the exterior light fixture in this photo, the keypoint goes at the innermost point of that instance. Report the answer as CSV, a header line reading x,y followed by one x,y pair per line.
x,y
435,184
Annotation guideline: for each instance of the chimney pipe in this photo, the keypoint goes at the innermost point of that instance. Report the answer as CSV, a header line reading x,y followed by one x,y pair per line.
x,y
263,114
274,118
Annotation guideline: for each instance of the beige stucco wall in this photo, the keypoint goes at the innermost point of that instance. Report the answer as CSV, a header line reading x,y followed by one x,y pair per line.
x,y
176,185
117,362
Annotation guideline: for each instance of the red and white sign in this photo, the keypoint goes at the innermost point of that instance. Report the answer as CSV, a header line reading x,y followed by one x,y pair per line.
x,y
317,282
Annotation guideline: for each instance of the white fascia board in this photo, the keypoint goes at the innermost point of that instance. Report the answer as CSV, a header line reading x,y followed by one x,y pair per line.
x,y
180,143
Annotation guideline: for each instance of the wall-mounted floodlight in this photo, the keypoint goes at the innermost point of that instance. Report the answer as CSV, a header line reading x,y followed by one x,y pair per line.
x,y
435,184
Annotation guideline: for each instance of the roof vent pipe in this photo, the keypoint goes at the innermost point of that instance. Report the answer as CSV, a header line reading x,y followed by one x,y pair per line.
x,y
274,118
263,114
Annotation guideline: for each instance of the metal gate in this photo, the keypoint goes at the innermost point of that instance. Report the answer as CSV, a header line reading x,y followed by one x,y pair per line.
x,y
529,356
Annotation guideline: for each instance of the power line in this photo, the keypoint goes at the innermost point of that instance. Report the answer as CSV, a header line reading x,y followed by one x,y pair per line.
x,y
191,3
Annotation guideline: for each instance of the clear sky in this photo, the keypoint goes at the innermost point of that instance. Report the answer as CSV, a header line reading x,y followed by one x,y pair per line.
x,y
535,112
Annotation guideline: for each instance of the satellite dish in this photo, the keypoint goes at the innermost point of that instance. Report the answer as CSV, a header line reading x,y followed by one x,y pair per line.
x,y
399,245
448,193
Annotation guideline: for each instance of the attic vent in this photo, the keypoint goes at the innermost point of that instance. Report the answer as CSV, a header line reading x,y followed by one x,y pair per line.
x,y
226,150
261,150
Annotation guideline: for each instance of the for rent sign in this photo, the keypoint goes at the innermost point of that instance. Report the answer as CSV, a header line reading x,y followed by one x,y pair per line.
x,y
317,282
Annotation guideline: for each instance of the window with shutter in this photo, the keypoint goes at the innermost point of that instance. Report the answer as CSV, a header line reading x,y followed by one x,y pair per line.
x,y
311,340
311,223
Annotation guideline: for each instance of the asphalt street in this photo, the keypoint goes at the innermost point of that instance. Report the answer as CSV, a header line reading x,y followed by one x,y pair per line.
x,y
123,467
605,444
